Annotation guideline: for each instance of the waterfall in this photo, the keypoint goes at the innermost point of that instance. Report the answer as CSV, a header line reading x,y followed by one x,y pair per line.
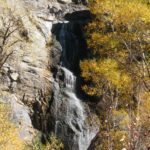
x,y
70,122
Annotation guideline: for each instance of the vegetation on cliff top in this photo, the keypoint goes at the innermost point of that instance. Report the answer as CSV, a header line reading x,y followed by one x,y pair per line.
x,y
118,71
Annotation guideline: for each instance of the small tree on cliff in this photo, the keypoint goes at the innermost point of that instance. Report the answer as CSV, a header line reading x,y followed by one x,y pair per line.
x,y
9,26
118,70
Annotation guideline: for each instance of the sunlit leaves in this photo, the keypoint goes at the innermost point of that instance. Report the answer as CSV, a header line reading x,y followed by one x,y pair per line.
x,y
9,138
117,71
102,74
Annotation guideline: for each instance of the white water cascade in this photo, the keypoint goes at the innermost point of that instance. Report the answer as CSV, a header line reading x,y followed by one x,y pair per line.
x,y
71,124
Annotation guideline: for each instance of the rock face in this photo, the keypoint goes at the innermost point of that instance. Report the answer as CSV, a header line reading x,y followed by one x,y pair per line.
x,y
41,82
25,76
71,119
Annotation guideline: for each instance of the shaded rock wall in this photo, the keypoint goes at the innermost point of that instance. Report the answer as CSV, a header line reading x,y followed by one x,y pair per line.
x,y
72,121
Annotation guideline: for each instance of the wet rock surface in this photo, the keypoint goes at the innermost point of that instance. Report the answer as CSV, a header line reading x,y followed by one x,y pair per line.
x,y
72,121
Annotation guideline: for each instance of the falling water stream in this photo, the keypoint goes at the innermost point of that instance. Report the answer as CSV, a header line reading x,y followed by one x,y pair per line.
x,y
71,124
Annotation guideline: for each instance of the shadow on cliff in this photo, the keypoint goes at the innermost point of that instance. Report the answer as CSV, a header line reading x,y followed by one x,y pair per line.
x,y
71,37
83,15
83,2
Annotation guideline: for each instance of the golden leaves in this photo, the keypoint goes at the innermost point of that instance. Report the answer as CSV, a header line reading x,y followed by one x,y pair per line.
x,y
118,68
9,138
103,72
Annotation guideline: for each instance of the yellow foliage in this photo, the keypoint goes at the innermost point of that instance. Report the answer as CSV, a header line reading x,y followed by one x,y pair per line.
x,y
120,139
119,31
144,109
125,11
9,139
54,144
118,70
116,24
103,73
120,118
